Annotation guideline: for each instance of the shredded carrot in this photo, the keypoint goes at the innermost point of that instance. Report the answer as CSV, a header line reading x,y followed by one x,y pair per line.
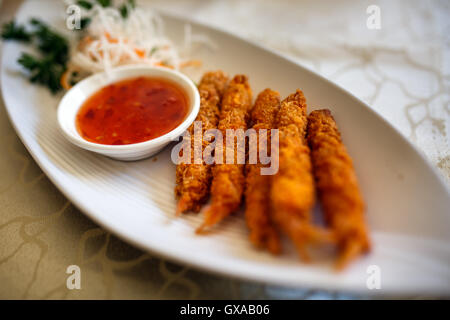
x,y
163,64
110,39
140,53
85,41
191,63
64,80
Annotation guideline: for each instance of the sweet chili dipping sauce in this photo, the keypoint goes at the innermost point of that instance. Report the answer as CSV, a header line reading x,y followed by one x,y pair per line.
x,y
131,111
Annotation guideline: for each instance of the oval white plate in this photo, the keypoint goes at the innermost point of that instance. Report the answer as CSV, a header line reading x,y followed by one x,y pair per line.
x,y
408,204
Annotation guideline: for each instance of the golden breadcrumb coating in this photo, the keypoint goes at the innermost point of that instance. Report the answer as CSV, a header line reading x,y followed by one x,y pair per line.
x,y
337,186
257,193
228,181
193,180
292,190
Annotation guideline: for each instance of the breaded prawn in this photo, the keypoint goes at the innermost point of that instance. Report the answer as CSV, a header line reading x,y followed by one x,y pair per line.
x,y
228,181
194,180
257,193
292,190
337,186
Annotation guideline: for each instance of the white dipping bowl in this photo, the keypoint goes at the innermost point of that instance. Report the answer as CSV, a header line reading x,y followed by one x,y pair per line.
x,y
76,96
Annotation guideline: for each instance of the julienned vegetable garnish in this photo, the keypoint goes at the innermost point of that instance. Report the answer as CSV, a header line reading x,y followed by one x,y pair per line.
x,y
124,35
108,37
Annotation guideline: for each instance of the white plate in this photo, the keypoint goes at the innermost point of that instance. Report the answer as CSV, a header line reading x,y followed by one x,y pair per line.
x,y
408,203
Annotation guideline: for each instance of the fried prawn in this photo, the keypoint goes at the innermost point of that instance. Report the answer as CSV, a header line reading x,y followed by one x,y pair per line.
x,y
257,193
193,180
292,190
228,182
337,186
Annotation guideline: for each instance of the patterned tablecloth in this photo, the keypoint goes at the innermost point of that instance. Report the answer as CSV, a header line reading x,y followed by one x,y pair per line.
x,y
402,70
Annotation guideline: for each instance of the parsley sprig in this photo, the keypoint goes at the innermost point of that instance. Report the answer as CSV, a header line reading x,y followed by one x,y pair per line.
x,y
13,31
47,68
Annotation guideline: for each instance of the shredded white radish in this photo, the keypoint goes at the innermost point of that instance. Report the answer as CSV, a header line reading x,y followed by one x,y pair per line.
x,y
111,40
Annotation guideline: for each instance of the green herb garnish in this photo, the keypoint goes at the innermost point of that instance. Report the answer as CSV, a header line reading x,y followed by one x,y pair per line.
x,y
43,71
84,22
124,8
153,50
47,68
104,3
12,31
85,4
50,43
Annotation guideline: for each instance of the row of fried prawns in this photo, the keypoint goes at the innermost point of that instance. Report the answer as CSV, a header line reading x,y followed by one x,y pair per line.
x,y
311,156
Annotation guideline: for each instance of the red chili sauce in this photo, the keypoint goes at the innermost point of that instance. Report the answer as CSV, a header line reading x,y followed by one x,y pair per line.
x,y
131,111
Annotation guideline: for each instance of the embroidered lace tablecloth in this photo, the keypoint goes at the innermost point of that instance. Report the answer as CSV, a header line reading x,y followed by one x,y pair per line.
x,y
401,69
